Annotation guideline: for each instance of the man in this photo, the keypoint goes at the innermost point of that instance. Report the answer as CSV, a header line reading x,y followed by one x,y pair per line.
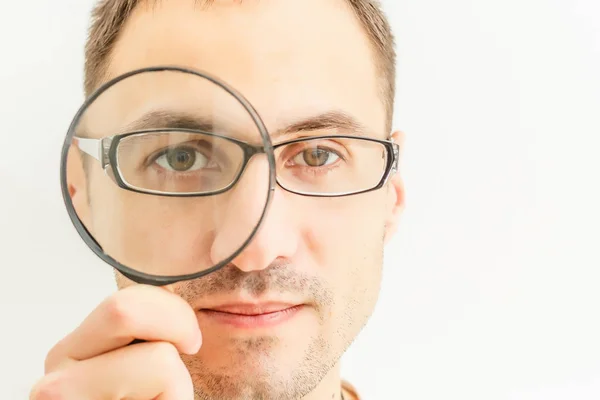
x,y
294,60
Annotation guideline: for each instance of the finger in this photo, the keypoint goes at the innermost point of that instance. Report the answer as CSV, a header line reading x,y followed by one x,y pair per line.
x,y
144,371
137,312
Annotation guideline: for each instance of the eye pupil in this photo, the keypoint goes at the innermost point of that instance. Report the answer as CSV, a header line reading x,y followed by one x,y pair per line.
x,y
181,159
316,157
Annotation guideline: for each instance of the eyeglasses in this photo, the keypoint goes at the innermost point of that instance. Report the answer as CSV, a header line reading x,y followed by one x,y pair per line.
x,y
188,163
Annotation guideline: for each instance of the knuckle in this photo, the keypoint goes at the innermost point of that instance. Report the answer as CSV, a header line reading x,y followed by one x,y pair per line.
x,y
167,354
118,308
51,387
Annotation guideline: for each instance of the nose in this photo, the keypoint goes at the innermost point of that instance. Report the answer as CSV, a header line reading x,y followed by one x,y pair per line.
x,y
275,238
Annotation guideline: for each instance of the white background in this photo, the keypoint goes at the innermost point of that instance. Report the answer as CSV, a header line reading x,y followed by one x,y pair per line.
x,y
492,287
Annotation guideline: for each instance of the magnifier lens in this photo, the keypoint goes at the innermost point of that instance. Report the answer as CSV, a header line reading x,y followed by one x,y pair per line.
x,y
167,172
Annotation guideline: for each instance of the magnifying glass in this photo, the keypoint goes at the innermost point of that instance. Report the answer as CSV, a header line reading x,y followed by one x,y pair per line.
x,y
167,174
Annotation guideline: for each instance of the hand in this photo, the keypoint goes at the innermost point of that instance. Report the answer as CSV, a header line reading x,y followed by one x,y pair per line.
x,y
96,362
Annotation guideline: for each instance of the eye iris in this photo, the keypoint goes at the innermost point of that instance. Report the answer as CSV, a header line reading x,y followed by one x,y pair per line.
x,y
316,157
181,159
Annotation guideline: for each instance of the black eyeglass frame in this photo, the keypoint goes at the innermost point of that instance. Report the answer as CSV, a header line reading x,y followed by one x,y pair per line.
x,y
249,151
105,150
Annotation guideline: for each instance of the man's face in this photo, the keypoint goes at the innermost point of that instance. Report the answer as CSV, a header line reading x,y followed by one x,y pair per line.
x,y
292,60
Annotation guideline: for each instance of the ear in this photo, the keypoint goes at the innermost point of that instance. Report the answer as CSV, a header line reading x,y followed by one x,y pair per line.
x,y
76,183
395,204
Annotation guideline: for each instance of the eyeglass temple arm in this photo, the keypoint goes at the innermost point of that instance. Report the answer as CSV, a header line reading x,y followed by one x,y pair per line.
x,y
91,147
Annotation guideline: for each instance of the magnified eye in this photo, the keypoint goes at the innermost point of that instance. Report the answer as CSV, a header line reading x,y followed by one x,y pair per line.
x,y
315,157
182,159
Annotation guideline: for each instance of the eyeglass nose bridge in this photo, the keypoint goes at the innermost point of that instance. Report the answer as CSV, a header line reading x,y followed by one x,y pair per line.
x,y
250,151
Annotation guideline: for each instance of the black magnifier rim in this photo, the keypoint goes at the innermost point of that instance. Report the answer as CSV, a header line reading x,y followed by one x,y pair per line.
x,y
134,275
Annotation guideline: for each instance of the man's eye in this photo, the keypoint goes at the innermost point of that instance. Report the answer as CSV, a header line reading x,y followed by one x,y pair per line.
x,y
182,159
315,157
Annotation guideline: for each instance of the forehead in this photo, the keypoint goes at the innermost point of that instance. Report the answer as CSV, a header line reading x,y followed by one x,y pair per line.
x,y
290,58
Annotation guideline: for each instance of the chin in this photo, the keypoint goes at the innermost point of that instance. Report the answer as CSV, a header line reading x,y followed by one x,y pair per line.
x,y
256,377
264,367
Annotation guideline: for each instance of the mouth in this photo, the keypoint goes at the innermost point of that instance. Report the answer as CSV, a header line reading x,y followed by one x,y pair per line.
x,y
252,316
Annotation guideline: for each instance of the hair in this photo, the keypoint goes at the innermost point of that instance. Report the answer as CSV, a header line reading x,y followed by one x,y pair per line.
x,y
109,17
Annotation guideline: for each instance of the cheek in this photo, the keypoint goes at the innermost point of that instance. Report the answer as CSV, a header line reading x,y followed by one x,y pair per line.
x,y
151,234
345,228
344,238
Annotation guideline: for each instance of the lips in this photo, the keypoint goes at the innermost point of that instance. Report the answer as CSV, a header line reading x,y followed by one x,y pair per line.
x,y
251,309
252,316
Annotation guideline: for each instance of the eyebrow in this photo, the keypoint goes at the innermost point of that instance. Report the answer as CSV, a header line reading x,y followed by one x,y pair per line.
x,y
329,121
